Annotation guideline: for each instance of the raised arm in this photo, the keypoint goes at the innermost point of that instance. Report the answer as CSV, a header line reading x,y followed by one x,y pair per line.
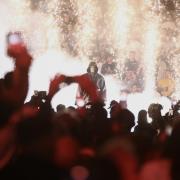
x,y
18,89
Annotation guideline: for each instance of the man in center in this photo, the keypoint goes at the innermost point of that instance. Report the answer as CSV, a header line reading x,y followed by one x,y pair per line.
x,y
99,81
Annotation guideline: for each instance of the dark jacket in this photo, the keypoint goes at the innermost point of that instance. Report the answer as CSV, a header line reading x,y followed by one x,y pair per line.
x,y
99,82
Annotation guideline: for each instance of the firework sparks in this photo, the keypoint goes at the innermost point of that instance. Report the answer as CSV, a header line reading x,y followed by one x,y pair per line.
x,y
150,55
86,29
90,29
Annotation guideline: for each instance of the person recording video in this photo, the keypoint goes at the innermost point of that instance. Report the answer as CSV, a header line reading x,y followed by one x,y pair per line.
x,y
14,85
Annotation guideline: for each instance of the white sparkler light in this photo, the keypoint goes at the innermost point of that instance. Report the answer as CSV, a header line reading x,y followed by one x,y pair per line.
x,y
116,27
150,56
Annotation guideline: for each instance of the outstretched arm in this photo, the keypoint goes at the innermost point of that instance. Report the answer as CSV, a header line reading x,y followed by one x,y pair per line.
x,y
17,92
84,82
54,85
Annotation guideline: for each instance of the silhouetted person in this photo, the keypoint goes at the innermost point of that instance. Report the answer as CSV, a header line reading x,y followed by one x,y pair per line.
x,y
109,67
144,128
122,122
154,111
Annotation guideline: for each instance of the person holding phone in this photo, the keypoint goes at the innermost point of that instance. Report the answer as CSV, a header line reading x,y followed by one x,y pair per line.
x,y
13,91
14,86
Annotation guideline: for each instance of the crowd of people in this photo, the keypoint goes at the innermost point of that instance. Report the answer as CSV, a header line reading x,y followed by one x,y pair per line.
x,y
81,143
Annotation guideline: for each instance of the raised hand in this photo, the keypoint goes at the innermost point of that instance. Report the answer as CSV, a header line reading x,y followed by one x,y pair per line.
x,y
54,85
20,55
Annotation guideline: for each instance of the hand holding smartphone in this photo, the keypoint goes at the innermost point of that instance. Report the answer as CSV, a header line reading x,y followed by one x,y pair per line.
x,y
17,49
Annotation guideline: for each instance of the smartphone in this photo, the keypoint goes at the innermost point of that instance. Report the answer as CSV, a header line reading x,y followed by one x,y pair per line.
x,y
35,93
40,94
14,38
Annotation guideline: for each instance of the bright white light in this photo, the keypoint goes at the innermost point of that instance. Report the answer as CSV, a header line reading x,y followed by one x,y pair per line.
x,y
80,103
43,38
149,119
50,64
150,56
85,31
121,18
113,87
139,101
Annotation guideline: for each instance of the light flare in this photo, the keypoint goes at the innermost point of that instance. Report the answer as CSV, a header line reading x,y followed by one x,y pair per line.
x,y
121,18
86,27
150,56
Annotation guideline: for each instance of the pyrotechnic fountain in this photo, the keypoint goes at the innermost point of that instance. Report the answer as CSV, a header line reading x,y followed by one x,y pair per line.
x,y
65,35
